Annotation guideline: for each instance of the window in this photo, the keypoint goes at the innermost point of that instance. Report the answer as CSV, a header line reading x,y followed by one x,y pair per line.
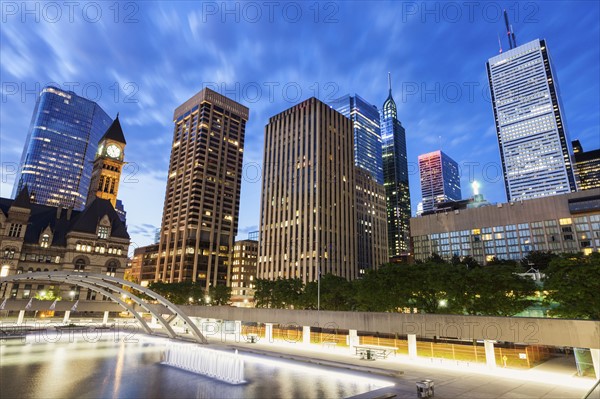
x,y
14,230
9,253
79,265
45,242
111,269
4,271
103,232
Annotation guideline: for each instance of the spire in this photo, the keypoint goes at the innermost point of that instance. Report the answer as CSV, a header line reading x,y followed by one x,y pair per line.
x,y
389,106
115,132
23,200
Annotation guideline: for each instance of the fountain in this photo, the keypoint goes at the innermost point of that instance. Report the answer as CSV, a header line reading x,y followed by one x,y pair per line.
x,y
223,366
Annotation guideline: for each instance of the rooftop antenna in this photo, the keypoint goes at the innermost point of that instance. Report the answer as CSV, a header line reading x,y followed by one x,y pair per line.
x,y
512,33
500,44
390,81
508,30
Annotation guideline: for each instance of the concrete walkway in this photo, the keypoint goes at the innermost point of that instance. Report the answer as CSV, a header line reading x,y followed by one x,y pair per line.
x,y
451,380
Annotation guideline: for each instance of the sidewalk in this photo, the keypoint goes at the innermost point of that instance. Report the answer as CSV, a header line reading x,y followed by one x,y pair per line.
x,y
452,380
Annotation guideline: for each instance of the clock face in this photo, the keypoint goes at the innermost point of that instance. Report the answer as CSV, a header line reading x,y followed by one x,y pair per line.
x,y
113,151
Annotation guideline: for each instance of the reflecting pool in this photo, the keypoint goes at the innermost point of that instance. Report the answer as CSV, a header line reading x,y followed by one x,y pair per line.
x,y
92,367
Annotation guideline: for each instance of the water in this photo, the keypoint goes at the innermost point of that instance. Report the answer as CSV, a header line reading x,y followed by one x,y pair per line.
x,y
121,369
220,365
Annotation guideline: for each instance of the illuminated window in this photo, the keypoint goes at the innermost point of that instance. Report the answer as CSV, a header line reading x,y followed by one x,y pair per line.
x,y
45,242
103,232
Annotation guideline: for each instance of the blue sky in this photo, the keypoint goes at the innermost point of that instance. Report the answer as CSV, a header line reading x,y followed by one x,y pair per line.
x,y
143,59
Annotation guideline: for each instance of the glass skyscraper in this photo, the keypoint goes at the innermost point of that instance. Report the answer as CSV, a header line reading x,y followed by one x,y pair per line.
x,y
395,176
530,123
58,156
367,134
440,179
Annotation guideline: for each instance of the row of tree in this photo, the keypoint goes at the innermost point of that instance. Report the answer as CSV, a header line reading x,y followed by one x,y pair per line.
x,y
571,285
191,292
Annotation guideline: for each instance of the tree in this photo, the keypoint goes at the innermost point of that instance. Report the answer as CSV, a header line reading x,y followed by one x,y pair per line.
x,y
48,295
497,290
263,292
219,295
179,293
538,260
573,282
336,293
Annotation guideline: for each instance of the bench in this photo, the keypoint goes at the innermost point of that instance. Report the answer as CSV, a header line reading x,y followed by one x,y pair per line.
x,y
329,344
372,352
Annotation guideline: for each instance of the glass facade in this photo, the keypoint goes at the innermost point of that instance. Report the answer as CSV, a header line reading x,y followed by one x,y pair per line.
x,y
587,167
532,136
440,179
514,241
59,151
367,134
395,176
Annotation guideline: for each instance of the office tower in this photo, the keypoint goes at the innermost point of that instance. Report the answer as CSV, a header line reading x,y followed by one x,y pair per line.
x,y
143,264
440,179
243,272
106,170
395,176
371,222
367,134
370,193
308,221
530,123
587,167
202,200
56,165
253,235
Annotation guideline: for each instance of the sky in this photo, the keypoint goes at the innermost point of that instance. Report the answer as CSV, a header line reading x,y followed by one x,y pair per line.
x,y
143,59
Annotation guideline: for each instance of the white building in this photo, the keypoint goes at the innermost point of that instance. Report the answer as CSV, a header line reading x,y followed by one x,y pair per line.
x,y
534,146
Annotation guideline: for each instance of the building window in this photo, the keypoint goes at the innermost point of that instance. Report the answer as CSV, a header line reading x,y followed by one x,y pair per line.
x,y
79,265
111,269
9,253
45,243
4,271
14,230
103,232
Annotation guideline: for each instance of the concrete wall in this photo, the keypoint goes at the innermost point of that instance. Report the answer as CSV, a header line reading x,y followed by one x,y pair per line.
x,y
556,332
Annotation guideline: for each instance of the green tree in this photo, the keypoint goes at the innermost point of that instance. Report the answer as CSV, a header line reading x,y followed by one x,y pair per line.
x,y
219,295
538,260
180,293
48,295
263,292
336,293
497,290
573,282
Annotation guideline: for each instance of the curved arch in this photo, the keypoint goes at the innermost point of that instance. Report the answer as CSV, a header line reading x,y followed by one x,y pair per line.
x,y
108,283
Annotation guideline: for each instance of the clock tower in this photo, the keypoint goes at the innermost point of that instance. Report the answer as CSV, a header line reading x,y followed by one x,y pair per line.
x,y
108,163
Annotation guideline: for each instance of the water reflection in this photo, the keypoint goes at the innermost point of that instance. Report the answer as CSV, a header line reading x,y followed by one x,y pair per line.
x,y
132,370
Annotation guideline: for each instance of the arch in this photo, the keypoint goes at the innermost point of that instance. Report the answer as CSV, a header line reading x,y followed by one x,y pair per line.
x,y
104,283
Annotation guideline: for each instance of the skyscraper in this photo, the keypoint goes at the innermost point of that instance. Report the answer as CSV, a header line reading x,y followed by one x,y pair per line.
x,y
440,179
530,123
587,167
56,165
200,214
371,234
367,134
371,222
307,221
395,175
